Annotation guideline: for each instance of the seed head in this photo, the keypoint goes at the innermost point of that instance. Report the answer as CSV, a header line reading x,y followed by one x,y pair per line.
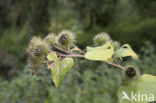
x,y
50,39
36,47
101,38
130,72
116,45
66,38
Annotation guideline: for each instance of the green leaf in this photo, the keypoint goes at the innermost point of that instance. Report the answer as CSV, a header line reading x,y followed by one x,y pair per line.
x,y
52,56
101,53
56,74
60,70
145,85
125,51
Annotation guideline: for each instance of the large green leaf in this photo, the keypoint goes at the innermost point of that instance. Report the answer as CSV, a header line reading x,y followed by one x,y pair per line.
x,y
125,51
145,87
60,69
56,74
101,53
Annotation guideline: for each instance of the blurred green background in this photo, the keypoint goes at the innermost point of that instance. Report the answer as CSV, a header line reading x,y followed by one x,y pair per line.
x,y
128,21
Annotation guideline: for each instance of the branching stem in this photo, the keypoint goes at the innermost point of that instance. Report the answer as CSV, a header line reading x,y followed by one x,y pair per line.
x,y
82,56
116,65
80,50
70,55
61,49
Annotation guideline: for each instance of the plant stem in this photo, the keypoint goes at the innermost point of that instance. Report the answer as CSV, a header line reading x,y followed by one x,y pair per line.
x,y
61,49
82,56
70,55
116,61
116,65
80,50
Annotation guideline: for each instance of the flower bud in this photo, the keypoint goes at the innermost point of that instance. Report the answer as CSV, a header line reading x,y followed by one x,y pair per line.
x,y
50,39
36,47
130,74
116,45
66,38
101,38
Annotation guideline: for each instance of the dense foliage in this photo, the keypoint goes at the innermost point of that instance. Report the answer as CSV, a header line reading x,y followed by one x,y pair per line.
x,y
88,83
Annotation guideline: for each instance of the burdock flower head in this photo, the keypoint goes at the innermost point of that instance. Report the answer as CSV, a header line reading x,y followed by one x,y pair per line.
x,y
36,47
116,45
36,50
101,38
66,38
50,39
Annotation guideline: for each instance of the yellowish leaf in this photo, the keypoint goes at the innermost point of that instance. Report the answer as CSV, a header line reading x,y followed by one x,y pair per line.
x,y
125,51
101,53
52,56
60,69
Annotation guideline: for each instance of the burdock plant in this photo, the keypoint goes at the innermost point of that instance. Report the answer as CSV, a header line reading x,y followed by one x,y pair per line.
x,y
57,53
